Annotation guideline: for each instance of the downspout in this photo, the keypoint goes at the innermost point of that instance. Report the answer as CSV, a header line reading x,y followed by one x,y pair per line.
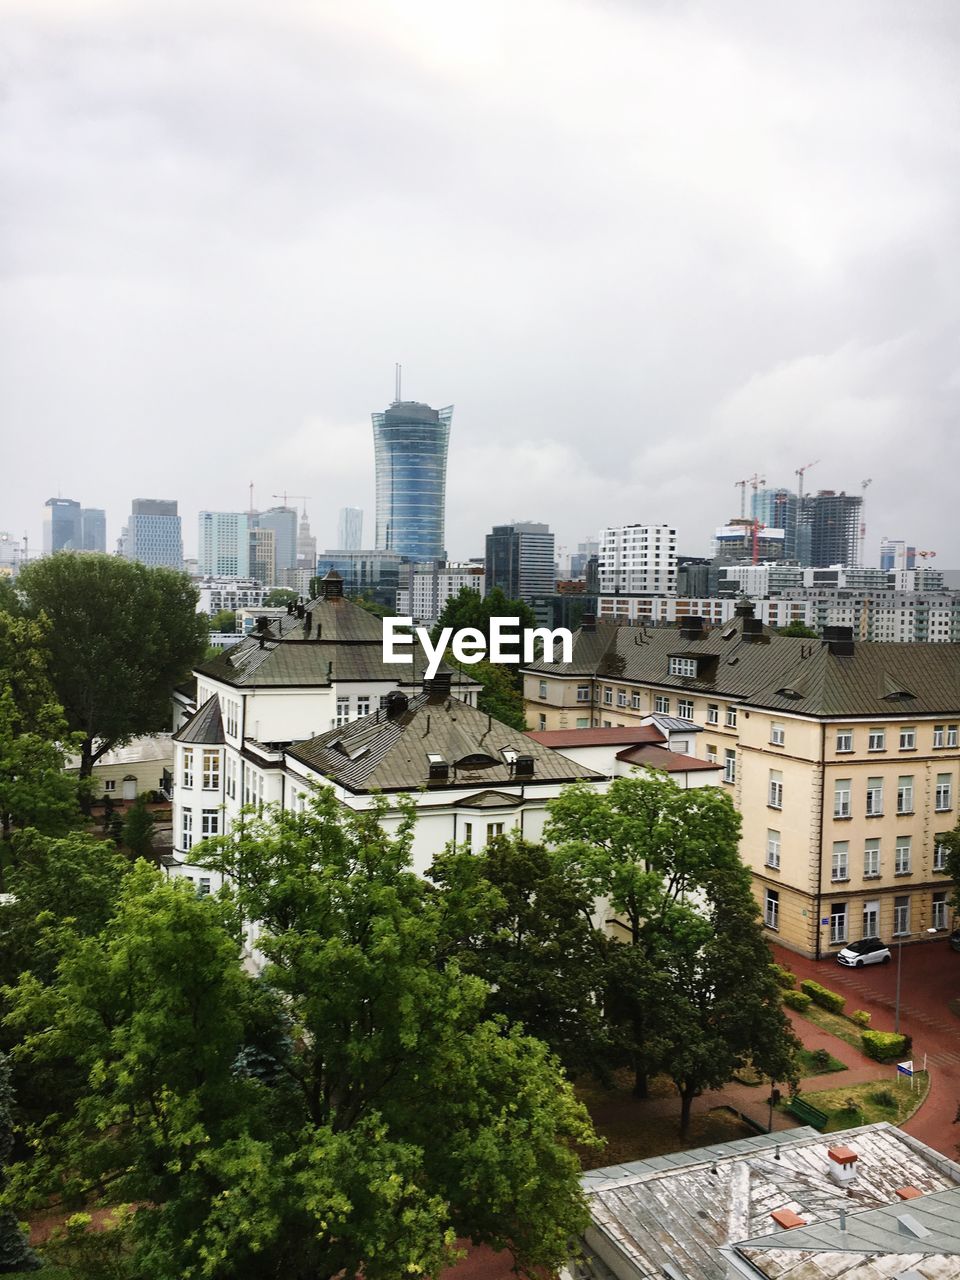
x,y
823,787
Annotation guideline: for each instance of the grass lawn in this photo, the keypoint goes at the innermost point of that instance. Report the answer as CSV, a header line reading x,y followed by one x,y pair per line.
x,y
887,1099
638,1128
811,1065
836,1024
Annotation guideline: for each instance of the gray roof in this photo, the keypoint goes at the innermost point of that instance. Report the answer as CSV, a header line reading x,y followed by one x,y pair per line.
x,y
344,643
757,671
204,726
684,1209
381,754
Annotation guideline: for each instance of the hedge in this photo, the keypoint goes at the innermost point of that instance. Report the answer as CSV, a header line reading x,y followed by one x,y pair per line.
x,y
784,977
821,996
796,1000
860,1017
884,1046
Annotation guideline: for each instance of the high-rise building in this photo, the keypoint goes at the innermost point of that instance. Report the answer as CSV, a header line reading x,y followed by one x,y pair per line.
x,y
520,560
224,550
283,522
373,574
427,589
410,446
153,535
832,522
742,541
62,528
579,558
350,529
638,560
263,556
306,546
93,529
778,509
895,554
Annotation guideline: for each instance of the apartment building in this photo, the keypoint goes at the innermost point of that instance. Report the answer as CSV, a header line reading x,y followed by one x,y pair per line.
x,y
842,757
638,560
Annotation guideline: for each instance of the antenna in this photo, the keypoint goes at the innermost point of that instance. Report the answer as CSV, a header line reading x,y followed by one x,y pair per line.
x,y
251,497
398,369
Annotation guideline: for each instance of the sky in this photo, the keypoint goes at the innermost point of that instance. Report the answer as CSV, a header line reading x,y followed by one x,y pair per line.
x,y
646,249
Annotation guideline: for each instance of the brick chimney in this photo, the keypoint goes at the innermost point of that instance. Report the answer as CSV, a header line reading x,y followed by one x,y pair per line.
x,y
842,1165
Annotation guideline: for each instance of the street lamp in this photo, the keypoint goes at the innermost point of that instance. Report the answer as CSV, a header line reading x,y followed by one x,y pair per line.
x,y
896,1020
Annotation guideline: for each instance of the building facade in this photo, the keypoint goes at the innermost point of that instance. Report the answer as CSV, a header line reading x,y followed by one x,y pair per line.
x,y
263,555
224,544
831,524
430,587
93,529
350,529
410,450
374,575
520,560
62,526
778,509
283,522
153,535
638,560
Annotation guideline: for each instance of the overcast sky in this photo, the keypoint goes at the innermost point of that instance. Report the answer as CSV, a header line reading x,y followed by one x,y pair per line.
x,y
645,248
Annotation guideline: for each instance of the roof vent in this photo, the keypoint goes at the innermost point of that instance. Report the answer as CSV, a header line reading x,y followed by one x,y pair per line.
x,y
842,1167
786,692
787,1219
396,704
908,1225
899,695
438,769
523,767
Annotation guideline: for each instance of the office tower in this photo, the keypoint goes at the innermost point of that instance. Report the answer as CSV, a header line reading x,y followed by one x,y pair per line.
x,y
410,447
224,550
153,535
283,522
306,546
895,554
778,509
746,542
93,529
62,526
373,574
263,556
638,559
520,560
832,521
350,529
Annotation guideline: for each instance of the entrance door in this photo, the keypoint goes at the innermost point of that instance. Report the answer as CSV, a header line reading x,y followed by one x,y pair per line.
x,y
871,919
129,788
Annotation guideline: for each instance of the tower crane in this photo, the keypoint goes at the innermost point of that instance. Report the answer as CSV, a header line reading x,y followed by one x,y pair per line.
x,y
864,485
303,497
742,486
800,472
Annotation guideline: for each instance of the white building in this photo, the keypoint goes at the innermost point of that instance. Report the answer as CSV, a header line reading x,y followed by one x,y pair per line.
x,y
638,560
431,587
229,593
224,544
664,743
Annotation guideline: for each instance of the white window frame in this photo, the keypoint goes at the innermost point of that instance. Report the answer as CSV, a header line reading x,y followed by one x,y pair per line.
x,y
583,693
871,858
109,784
685,708
953,735
842,797
543,688
903,856
938,736
635,701
363,706
343,711
844,741
939,907
940,852
775,789
621,697
901,917
682,666
771,909
209,822
839,923
777,734
729,765
713,713
661,705
211,769
905,796
187,775
773,849
943,795
607,696
877,740
908,739
874,807
840,860
186,830
870,921
494,829
731,717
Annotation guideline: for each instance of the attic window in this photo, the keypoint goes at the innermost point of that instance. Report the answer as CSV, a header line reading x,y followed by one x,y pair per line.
x,y
787,692
509,754
899,695
476,761
729,633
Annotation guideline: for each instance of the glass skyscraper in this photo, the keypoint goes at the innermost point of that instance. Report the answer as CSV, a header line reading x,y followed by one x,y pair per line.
x,y
410,445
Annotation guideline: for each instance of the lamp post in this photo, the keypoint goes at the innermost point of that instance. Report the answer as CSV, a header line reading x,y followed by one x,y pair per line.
x,y
896,1020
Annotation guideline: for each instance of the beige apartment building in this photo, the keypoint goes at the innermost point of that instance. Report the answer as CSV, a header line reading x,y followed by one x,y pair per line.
x,y
842,757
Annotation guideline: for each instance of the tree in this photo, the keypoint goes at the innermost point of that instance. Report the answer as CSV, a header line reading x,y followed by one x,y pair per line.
x,y
224,620
395,1115
138,829
278,597
121,635
800,630
501,692
951,843
692,989
15,1253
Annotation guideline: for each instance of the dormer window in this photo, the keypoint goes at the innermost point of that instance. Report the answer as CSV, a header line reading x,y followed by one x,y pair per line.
x,y
682,666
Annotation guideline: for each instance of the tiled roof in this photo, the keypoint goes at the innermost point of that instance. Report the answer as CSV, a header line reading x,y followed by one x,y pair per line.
x,y
782,673
204,726
557,738
380,754
653,757
344,643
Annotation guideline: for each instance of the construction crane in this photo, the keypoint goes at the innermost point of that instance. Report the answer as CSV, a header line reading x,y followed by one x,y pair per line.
x,y
925,554
303,497
800,472
864,485
742,486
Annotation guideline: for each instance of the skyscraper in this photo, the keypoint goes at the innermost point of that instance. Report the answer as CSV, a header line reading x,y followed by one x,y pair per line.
x,y
410,445
520,560
832,523
224,550
153,535
778,509
93,529
263,555
62,529
283,522
350,529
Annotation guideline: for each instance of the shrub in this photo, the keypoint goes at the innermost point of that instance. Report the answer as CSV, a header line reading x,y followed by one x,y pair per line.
x,y
783,976
821,1059
796,1000
884,1098
822,996
860,1017
884,1046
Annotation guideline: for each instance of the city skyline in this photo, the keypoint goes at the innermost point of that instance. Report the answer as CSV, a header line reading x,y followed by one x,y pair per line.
x,y
647,251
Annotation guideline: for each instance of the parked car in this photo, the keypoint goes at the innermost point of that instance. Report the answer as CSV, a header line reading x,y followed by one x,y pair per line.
x,y
954,940
866,951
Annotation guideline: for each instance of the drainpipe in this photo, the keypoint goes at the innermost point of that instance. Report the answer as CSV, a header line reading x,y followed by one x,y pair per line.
x,y
823,788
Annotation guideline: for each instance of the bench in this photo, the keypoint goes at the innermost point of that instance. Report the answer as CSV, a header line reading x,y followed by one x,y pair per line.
x,y
807,1113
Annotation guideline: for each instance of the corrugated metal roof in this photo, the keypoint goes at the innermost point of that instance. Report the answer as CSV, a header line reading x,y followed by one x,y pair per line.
x,y
204,726
596,737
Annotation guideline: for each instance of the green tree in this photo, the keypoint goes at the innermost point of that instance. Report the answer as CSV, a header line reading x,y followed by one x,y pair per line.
x,y
800,630
668,861
224,620
279,597
501,692
138,829
121,636
15,1253
951,842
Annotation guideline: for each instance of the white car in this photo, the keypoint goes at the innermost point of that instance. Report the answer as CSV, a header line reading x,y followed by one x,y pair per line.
x,y
866,951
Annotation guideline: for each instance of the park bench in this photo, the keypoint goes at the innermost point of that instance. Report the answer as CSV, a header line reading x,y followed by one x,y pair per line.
x,y
808,1114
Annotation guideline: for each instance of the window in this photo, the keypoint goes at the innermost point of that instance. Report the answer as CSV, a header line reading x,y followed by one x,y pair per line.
x,y
635,701
940,852
363,707
773,849
583,722
944,793
608,695
908,739
468,834
871,919
203,887
874,797
543,688
938,736
621,697
771,909
905,794
841,798
731,717
683,666
871,859
902,856
583,693
838,923
775,789
713,713
777,735
210,822
109,784
211,770
840,861
186,830
901,917
877,740
685,708
343,711
711,753
661,705
951,735
188,766
844,740
231,709
543,723
494,829
230,777
939,915
729,766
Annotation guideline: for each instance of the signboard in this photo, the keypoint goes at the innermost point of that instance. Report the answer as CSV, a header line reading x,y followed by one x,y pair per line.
x,y
905,1068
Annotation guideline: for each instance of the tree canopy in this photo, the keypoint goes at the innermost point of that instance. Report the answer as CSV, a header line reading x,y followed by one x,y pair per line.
x,y
800,630
121,635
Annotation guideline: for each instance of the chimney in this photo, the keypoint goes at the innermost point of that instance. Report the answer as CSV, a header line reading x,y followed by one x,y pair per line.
x,y
396,704
753,632
523,767
744,609
842,1165
787,1219
908,1193
839,640
693,628
438,689
307,623
300,611
331,585
588,622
